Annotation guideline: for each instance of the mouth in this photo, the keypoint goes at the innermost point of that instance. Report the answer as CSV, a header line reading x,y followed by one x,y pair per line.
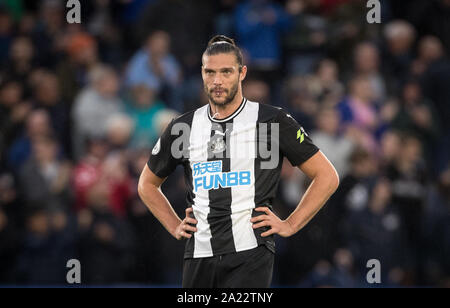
x,y
218,92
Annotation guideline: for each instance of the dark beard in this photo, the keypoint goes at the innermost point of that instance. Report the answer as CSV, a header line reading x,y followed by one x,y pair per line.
x,y
228,99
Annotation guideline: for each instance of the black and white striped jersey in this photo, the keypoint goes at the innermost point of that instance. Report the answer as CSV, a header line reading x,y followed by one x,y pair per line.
x,y
231,165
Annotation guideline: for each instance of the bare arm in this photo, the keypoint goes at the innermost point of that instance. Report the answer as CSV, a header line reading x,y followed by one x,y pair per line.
x,y
149,189
324,183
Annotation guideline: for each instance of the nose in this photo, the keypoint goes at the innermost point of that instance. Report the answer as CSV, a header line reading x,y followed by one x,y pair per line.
x,y
217,80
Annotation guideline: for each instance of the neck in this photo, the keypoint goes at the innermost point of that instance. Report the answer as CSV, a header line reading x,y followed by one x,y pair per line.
x,y
221,112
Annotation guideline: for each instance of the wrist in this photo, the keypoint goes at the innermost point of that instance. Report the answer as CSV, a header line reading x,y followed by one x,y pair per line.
x,y
291,226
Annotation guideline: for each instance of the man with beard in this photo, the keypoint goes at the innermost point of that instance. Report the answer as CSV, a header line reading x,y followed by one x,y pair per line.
x,y
232,151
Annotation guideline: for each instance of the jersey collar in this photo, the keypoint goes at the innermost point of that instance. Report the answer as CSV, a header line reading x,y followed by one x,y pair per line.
x,y
231,116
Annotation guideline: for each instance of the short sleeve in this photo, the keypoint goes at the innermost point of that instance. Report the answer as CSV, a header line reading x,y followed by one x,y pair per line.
x,y
295,144
162,162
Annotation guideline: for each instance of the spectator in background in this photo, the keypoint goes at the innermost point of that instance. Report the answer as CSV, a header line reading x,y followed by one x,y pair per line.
x,y
20,62
10,200
37,125
398,53
106,241
13,112
377,232
44,179
82,56
143,107
390,143
409,179
105,170
367,64
9,246
155,67
49,32
94,106
300,101
437,232
354,191
324,85
89,169
49,242
6,34
359,116
47,95
430,49
103,25
435,81
335,146
26,24
417,116
130,11
306,41
119,129
163,118
35,265
432,18
223,22
116,178
338,274
259,26
347,27
172,17
256,90
149,252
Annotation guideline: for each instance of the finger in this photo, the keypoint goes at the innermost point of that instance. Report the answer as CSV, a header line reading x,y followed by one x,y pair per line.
x,y
185,234
261,224
191,220
268,232
263,209
189,228
189,210
259,218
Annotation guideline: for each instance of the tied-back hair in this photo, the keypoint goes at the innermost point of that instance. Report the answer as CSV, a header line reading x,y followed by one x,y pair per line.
x,y
223,44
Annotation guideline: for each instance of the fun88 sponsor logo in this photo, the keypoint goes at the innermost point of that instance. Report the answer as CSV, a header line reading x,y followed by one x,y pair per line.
x,y
209,175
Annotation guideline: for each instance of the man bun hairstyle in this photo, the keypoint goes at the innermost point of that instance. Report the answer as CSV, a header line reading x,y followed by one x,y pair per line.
x,y
223,44
221,39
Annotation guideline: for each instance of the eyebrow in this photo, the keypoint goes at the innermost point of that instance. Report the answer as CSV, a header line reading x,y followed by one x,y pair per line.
x,y
221,70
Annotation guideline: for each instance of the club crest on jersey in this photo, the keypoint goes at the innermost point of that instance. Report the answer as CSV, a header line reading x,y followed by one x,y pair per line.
x,y
217,145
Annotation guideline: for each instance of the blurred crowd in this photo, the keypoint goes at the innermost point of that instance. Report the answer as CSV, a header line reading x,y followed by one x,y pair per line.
x,y
81,106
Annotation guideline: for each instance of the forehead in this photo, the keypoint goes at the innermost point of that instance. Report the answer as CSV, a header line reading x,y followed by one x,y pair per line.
x,y
218,61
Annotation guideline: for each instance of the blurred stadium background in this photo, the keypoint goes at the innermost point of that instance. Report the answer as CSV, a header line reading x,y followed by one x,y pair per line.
x,y
82,105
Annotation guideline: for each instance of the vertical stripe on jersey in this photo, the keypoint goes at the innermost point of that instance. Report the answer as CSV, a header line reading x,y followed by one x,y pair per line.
x,y
264,178
243,154
190,196
219,217
200,135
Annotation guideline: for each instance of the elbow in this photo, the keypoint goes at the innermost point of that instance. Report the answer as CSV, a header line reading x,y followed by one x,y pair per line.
x,y
329,179
333,181
145,188
140,188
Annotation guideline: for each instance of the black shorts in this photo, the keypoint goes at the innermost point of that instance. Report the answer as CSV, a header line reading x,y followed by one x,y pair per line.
x,y
245,269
